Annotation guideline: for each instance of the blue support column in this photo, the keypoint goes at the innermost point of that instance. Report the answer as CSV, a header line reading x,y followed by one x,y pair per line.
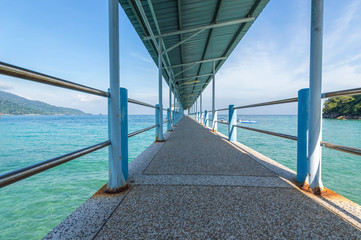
x,y
302,134
124,130
160,134
116,180
157,122
169,127
205,118
315,124
232,119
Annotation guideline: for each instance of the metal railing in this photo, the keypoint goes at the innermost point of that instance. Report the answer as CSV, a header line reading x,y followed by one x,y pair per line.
x,y
17,175
355,151
304,125
26,74
353,91
18,72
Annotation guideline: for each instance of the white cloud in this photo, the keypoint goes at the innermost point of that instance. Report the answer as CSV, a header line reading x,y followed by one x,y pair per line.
x,y
88,98
141,57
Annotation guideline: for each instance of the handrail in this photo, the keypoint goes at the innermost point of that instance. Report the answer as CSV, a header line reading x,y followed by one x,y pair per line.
x,y
223,122
352,91
23,73
15,71
140,131
17,175
355,151
141,103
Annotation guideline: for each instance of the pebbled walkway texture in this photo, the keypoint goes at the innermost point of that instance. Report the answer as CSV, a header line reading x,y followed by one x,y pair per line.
x,y
197,185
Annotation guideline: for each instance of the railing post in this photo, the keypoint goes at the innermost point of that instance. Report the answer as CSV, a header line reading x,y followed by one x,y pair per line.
x,y
232,119
302,134
157,122
214,124
205,118
169,127
116,180
124,130
315,122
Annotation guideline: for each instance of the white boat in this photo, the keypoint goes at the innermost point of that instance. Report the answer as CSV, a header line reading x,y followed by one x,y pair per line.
x,y
247,121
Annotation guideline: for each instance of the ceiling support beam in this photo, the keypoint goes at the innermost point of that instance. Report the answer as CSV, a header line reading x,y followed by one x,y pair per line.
x,y
197,62
183,41
198,76
214,25
185,69
144,18
215,17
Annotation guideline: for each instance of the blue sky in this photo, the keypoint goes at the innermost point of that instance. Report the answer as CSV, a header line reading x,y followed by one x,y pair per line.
x,y
69,39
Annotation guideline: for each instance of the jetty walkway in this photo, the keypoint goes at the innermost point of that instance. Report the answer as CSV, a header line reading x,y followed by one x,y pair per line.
x,y
198,185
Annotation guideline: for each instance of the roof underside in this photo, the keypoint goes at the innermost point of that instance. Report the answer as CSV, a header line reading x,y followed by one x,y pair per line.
x,y
195,34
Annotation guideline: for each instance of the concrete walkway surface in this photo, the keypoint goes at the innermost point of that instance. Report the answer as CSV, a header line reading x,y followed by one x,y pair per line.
x,y
197,185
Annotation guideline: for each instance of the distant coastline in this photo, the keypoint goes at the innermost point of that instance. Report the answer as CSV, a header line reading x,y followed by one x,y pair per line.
x,y
11,104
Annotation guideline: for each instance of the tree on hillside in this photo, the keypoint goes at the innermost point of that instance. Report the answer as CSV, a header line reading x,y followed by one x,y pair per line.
x,y
348,105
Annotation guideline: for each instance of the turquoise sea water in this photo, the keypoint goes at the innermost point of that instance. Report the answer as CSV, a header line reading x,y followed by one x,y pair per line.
x,y
32,207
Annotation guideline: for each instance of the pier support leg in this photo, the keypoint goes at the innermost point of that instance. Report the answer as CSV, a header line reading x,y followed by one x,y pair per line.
x,y
232,119
124,130
315,124
206,118
116,180
214,116
169,126
160,135
302,134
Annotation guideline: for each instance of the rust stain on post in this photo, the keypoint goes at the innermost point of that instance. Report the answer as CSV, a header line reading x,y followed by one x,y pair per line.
x,y
103,192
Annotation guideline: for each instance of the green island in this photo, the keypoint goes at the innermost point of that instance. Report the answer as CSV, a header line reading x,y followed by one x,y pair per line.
x,y
347,107
11,104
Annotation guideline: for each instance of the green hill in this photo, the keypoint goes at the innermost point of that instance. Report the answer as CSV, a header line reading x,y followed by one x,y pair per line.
x,y
348,107
13,104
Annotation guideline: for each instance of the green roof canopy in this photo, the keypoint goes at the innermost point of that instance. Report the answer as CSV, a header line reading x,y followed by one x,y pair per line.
x,y
195,35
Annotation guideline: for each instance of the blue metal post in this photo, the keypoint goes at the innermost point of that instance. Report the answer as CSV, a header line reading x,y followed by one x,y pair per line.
x,y
232,119
156,122
169,127
173,106
124,130
302,134
116,180
200,109
160,135
205,117
315,124
196,111
215,125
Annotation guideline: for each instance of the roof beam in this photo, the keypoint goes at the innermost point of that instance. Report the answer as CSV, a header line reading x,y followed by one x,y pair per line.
x,y
185,69
158,30
179,8
143,16
215,16
239,32
215,25
183,41
197,62
198,76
